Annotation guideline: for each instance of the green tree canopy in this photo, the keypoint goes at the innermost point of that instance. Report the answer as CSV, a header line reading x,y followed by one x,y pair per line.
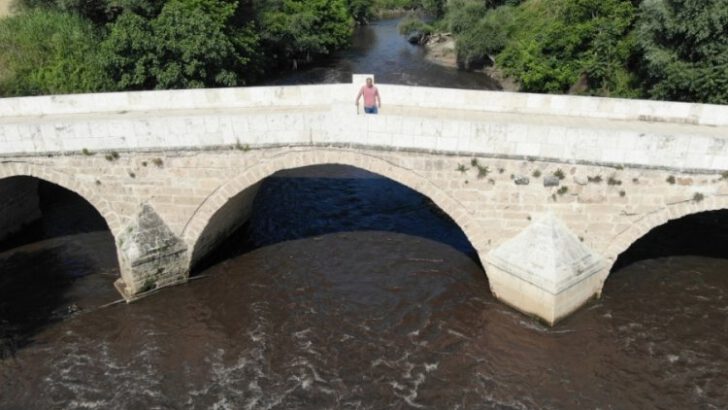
x,y
555,43
298,30
685,49
190,44
48,52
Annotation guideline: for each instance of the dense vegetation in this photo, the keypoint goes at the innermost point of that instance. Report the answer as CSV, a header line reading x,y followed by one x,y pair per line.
x,y
57,46
663,49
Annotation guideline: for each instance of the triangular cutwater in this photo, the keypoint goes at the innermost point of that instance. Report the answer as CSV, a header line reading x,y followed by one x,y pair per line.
x,y
547,254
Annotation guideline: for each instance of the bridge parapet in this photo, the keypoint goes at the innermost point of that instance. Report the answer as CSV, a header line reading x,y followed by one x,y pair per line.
x,y
492,124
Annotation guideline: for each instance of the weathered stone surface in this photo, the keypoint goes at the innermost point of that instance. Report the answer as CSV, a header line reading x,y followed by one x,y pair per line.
x,y
547,259
521,180
550,181
150,254
581,179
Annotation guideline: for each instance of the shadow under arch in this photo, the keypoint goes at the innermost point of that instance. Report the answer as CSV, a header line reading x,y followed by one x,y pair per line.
x,y
676,221
52,240
210,225
67,182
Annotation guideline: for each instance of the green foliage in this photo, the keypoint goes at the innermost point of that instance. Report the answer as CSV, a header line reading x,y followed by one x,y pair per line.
x,y
298,30
480,33
360,10
411,24
556,43
191,44
48,52
684,46
100,11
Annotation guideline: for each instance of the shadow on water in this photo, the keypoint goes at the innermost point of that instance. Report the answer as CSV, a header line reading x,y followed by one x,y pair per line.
x,y
318,200
64,212
701,234
39,264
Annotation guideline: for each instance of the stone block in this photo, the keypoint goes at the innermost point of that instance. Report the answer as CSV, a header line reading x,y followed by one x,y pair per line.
x,y
150,255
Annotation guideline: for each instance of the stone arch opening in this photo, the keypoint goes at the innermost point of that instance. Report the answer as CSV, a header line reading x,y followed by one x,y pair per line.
x,y
625,247
54,245
232,204
696,234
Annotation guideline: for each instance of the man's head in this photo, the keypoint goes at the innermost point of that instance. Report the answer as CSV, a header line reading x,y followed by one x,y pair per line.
x,y
370,82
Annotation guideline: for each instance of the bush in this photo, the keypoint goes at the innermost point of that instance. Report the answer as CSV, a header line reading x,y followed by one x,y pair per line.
x,y
411,24
48,52
191,44
486,37
684,50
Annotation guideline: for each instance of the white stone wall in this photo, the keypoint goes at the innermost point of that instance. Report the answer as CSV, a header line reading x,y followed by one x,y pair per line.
x,y
496,124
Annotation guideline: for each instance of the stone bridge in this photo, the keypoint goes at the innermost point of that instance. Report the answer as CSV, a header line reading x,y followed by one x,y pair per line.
x,y
548,189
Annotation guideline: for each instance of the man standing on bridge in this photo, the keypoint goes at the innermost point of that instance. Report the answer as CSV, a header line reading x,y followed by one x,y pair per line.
x,y
371,98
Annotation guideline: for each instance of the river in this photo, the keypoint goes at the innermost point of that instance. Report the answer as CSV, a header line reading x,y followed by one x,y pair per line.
x,y
349,291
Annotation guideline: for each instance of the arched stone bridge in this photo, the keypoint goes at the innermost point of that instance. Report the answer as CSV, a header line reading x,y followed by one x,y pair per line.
x,y
548,189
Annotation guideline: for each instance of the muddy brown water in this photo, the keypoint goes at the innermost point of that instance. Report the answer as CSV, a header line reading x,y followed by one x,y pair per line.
x,y
349,291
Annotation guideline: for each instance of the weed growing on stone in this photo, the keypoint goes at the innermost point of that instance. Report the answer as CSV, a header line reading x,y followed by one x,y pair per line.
x,y
536,173
483,171
670,180
559,174
595,179
462,168
613,181
158,162
241,147
698,197
112,156
563,190
622,194
86,152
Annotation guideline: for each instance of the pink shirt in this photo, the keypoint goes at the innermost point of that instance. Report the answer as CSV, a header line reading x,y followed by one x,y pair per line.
x,y
369,94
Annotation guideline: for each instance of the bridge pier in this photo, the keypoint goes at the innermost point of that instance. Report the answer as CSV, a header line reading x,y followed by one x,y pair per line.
x,y
150,256
545,271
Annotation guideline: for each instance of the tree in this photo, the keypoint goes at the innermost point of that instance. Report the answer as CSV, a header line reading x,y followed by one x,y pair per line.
x,y
554,44
298,30
190,44
48,52
100,11
685,49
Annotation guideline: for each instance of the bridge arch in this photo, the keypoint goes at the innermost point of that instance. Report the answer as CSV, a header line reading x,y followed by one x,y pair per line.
x,y
66,181
197,232
623,241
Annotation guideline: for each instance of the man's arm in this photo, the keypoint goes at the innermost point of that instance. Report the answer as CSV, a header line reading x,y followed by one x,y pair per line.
x,y
358,96
379,99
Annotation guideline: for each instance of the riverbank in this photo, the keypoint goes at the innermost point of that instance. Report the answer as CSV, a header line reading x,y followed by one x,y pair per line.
x,y
440,49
